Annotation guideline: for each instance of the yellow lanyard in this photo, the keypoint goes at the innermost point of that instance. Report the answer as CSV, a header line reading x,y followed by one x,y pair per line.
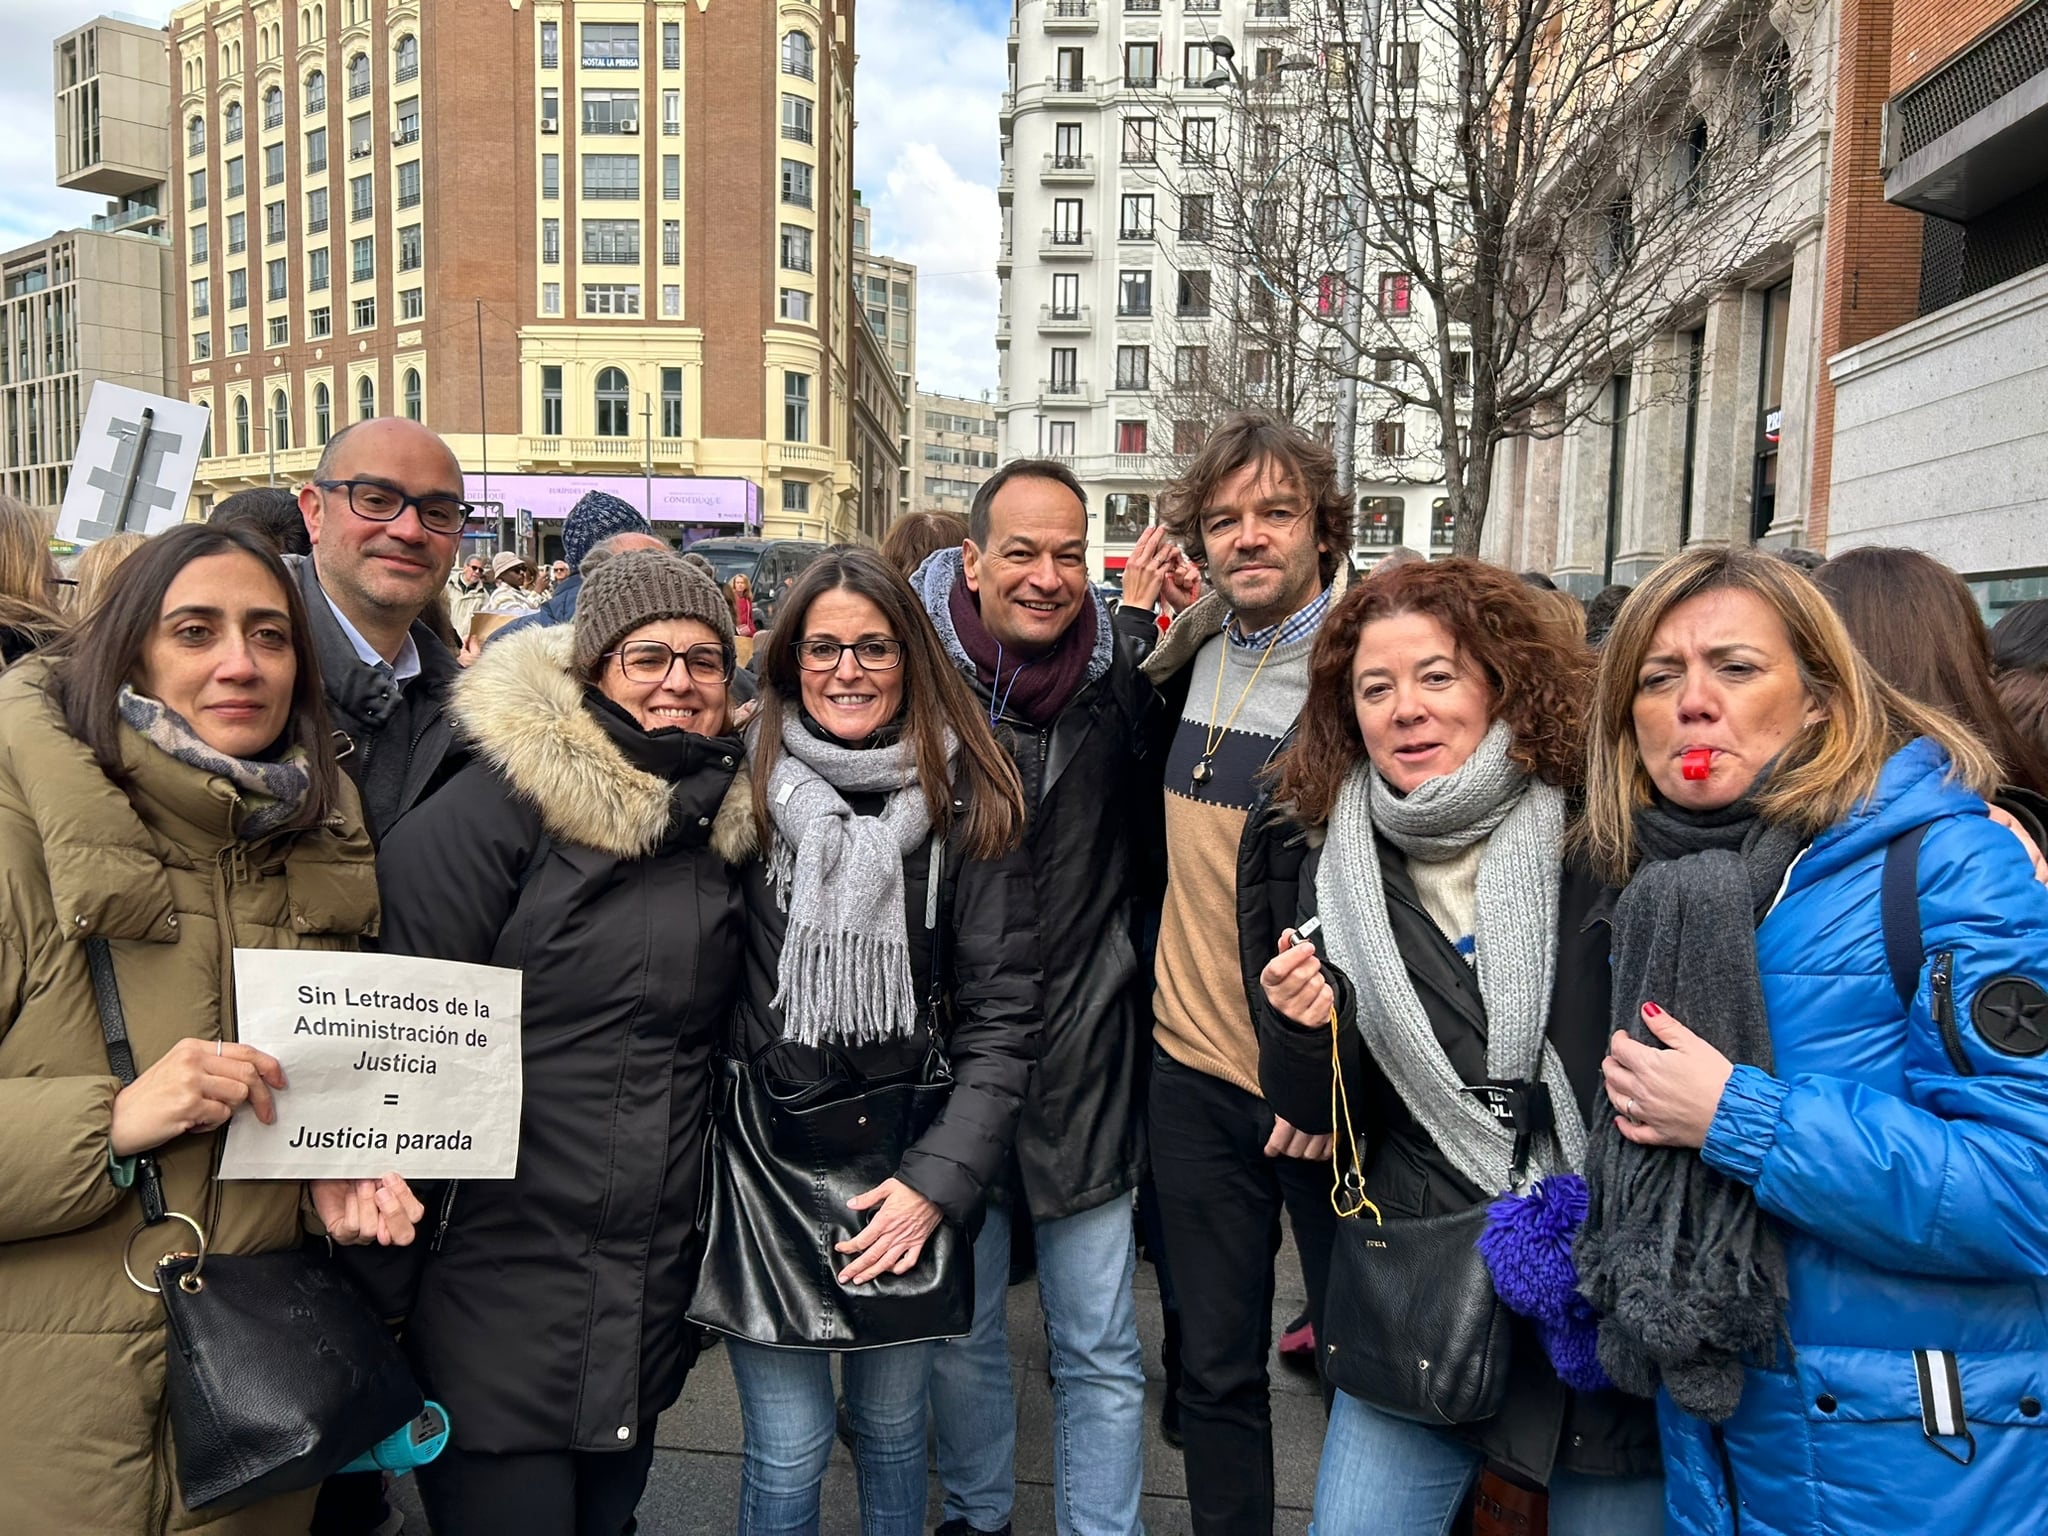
x,y
1212,737
1347,1190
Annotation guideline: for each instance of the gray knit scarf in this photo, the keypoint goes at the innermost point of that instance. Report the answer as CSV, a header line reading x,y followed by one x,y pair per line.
x,y
272,794
1514,944
1688,1274
845,968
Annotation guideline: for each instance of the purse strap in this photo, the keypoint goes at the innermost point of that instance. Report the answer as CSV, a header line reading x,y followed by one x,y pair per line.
x,y
106,996
1347,1189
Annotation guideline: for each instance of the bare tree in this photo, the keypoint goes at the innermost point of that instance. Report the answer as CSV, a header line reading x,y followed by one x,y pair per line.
x,y
1471,211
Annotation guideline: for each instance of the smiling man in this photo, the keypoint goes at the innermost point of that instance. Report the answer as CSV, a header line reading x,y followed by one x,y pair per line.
x,y
1260,511
385,511
1059,681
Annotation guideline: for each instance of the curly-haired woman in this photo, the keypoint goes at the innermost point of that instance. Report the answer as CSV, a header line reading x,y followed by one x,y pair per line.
x,y
1461,949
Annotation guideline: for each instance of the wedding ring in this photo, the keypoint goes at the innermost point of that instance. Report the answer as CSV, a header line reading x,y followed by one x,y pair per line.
x,y
220,1047
1629,1109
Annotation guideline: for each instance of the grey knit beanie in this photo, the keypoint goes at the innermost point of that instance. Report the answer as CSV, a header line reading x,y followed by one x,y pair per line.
x,y
637,588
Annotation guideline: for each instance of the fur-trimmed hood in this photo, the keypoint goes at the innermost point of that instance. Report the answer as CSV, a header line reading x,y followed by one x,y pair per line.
x,y
1203,619
522,709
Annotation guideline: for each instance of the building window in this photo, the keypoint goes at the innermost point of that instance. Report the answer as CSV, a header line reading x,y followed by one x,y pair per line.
x,y
363,315
359,77
550,45
611,242
1135,220
611,45
362,259
316,92
1379,521
273,224
550,177
319,322
1140,140
1130,437
1394,293
316,151
197,199
409,248
671,242
1191,295
614,403
1190,367
671,402
797,119
797,53
796,183
611,298
195,137
551,298
236,170
242,424
1390,438
274,279
408,59
611,178
1133,368
796,497
671,178
412,303
202,297
360,139
671,114
611,112
1124,515
795,304
238,339
550,110
414,403
238,289
1330,294
273,107
316,211
1258,367
409,120
317,263
551,400
550,242
1066,221
796,407
323,414
199,242
1141,66
1188,437
231,123
671,301
1059,439
366,398
1134,294
362,199
238,233
671,45
1198,141
280,421
1197,216
796,248
409,184
1774,96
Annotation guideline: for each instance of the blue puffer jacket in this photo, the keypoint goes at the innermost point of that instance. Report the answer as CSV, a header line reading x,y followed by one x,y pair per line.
x,y
1906,1162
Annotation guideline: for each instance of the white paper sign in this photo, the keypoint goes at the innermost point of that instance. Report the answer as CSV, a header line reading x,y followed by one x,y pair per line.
x,y
393,1065
124,478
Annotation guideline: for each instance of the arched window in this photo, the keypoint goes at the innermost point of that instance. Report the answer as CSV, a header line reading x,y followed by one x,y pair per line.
x,y
316,91
408,57
241,424
1774,95
231,122
366,398
273,107
358,76
797,51
195,136
413,403
322,414
280,422
614,404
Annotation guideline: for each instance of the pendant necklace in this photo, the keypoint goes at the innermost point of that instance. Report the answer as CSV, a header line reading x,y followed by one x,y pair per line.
x,y
1212,736
997,706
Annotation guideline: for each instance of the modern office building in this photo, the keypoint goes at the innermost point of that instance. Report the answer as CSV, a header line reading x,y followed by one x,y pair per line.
x,y
619,255
887,290
956,450
94,303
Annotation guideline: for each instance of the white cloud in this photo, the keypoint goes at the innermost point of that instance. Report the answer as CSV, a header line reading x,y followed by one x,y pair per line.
x,y
926,95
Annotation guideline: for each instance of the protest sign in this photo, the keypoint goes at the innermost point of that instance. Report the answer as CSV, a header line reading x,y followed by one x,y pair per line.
x,y
137,454
393,1064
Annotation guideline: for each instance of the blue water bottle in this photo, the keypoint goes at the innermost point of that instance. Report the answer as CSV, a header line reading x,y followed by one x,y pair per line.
x,y
413,1445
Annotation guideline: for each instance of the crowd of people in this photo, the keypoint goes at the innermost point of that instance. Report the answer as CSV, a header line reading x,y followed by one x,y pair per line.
x,y
1638,1010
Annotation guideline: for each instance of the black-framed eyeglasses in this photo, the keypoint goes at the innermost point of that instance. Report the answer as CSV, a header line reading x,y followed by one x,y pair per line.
x,y
381,503
873,655
651,661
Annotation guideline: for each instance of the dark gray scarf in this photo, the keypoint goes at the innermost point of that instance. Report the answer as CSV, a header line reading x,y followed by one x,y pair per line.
x,y
1686,1271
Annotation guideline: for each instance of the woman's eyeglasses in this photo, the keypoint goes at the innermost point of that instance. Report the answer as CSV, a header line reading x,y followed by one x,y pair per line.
x,y
650,661
873,655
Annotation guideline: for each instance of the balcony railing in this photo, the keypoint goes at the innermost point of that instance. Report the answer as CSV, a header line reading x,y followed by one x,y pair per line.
x,y
1067,168
1063,389
1069,317
1070,15
1073,243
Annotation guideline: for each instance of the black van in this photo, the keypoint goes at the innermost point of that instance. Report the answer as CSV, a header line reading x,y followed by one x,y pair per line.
x,y
770,566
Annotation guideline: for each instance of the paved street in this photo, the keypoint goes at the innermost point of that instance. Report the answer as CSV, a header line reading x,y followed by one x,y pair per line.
x,y
694,1489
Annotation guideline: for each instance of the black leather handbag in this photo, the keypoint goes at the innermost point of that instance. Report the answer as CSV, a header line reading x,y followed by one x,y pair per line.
x,y
1411,1323
277,1372
786,1154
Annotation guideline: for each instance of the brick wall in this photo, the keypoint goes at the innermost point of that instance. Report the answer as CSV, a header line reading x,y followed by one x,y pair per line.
x,y
1927,33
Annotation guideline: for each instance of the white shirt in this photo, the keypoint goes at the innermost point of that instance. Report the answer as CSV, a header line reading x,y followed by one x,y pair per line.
x,y
403,671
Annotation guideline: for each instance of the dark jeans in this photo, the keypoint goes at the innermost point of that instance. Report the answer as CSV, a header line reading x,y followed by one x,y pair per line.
x,y
1220,1198
541,1493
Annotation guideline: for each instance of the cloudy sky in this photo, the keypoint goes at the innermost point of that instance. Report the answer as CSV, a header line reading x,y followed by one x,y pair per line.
x,y
931,73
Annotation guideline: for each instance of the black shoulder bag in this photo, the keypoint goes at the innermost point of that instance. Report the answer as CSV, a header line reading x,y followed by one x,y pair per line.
x,y
785,1155
277,1371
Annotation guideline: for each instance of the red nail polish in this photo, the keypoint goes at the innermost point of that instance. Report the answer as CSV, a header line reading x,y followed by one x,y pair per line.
x,y
1652,1010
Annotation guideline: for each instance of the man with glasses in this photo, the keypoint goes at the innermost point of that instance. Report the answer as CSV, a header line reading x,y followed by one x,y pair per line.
x,y
385,511
468,590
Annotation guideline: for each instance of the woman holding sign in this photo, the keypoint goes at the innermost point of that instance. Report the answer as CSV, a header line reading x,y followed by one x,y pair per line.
x,y
167,785
892,957
589,844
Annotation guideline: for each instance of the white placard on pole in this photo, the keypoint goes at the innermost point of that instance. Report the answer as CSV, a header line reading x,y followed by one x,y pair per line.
x,y
132,473
392,1065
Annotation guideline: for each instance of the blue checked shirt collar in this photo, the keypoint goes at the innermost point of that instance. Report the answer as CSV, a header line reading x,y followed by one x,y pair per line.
x,y
1297,626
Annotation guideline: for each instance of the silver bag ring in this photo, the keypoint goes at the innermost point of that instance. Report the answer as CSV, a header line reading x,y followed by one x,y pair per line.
x,y
190,1282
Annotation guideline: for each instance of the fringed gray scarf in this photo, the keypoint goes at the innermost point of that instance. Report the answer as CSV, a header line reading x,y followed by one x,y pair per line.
x,y
845,969
1514,939
272,794
1688,1274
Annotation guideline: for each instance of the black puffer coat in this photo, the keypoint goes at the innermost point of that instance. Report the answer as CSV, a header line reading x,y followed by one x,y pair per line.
x,y
550,1313
1088,789
1545,1424
989,1007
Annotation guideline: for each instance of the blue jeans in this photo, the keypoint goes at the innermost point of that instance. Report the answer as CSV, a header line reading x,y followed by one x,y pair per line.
x,y
790,1415
1085,1266
1383,1476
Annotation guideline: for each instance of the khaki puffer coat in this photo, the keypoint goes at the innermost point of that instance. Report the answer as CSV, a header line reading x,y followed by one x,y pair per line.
x,y
159,872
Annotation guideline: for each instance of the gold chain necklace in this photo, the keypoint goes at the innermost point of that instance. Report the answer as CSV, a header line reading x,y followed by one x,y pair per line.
x,y
1212,736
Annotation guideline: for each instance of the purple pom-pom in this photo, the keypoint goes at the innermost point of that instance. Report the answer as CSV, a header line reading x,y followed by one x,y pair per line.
x,y
1527,1246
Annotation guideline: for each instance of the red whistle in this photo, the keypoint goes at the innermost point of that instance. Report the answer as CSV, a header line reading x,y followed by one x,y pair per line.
x,y
1698,764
